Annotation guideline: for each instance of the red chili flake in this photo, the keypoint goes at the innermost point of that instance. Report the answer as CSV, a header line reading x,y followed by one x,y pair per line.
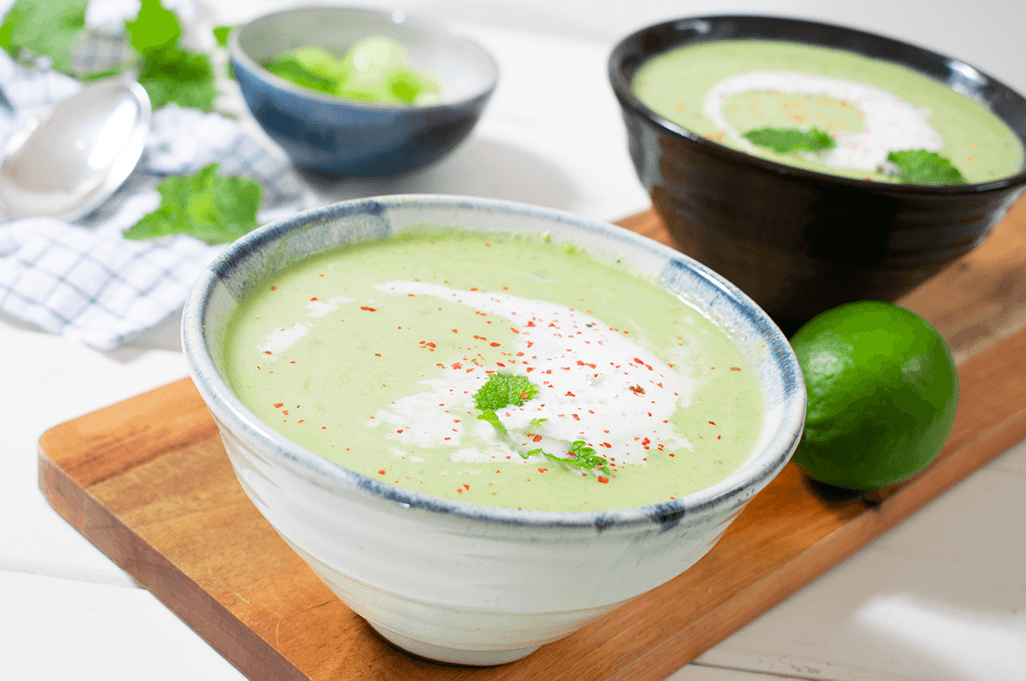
x,y
466,486
537,438
302,421
399,430
607,445
285,411
576,417
500,364
324,427
279,405
637,389
540,470
368,309
268,352
513,330
381,472
479,337
603,479
314,298
495,345
735,368
459,490
377,354
568,393
719,437
455,331
292,362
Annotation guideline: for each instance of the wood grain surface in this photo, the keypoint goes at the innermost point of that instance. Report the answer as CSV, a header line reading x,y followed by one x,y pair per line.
x,y
148,482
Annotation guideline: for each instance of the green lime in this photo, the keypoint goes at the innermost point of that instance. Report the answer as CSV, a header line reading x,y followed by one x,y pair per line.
x,y
882,392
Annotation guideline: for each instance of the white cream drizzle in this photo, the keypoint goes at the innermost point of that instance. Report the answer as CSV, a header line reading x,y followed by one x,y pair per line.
x,y
595,384
890,123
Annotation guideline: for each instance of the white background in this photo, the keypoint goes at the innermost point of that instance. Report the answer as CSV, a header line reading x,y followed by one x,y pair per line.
x,y
942,597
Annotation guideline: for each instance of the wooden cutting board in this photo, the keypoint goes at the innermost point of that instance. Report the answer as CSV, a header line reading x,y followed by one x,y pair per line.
x,y
148,482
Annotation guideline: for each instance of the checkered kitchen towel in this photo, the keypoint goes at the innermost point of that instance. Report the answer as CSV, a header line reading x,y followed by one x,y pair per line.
x,y
82,280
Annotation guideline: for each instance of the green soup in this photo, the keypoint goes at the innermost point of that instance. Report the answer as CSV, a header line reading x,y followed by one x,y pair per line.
x,y
375,356
868,107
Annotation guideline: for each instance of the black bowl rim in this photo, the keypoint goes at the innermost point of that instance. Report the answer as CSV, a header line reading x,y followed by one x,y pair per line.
x,y
237,54
621,85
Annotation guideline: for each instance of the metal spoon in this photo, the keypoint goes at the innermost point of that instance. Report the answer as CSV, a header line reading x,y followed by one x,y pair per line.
x,y
72,158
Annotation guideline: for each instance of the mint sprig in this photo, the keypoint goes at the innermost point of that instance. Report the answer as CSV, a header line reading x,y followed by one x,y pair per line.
x,y
919,166
206,205
789,141
44,27
503,390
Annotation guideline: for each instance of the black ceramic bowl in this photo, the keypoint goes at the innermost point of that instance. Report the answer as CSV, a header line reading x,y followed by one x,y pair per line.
x,y
797,241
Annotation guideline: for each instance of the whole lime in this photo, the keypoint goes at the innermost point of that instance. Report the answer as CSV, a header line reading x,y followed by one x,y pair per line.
x,y
882,393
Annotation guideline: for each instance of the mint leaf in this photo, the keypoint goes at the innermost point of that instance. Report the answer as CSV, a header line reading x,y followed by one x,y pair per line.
x,y
221,35
788,141
502,390
155,28
179,76
207,206
920,166
169,73
44,28
491,417
586,457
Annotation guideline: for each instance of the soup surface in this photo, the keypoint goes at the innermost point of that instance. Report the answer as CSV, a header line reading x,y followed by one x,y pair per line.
x,y
405,360
725,90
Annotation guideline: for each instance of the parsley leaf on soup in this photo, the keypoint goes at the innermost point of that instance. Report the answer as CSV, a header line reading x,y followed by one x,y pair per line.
x,y
788,141
207,206
44,27
502,390
919,166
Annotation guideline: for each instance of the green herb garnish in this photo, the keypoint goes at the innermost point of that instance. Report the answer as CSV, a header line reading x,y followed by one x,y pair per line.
x,y
44,27
789,141
207,206
920,166
502,390
168,72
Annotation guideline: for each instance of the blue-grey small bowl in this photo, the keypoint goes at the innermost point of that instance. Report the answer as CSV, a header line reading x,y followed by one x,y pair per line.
x,y
347,138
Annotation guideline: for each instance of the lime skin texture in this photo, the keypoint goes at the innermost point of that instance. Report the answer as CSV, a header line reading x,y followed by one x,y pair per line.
x,y
882,394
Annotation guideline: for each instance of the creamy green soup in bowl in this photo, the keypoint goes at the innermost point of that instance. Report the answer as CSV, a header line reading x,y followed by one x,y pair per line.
x,y
814,164
414,390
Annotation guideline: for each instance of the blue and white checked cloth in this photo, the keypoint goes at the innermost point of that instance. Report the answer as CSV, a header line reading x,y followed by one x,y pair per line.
x,y
83,280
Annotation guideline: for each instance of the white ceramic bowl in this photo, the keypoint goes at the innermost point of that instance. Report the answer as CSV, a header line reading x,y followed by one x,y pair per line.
x,y
451,580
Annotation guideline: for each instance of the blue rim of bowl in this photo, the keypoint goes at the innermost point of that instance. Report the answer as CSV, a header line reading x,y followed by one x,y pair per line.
x,y
624,92
236,53
737,488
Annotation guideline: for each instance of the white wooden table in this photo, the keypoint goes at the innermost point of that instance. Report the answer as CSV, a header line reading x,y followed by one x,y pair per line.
x,y
942,597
